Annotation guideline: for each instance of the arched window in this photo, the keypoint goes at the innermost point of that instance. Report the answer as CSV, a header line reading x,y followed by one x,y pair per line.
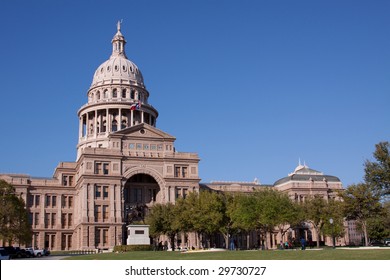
x,y
132,94
123,93
123,125
114,125
114,93
98,95
104,126
105,95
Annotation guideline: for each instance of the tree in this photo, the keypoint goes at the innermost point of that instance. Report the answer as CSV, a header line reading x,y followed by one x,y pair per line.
x,y
361,203
335,212
314,209
207,212
162,221
318,212
377,173
14,224
264,211
378,227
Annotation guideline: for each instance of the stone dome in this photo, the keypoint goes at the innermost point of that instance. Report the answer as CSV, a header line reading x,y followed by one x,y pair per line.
x,y
118,69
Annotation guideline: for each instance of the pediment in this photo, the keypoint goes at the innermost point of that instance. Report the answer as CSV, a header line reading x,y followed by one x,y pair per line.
x,y
142,131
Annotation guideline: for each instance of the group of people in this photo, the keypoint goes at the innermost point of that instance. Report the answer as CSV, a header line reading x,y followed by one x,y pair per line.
x,y
290,244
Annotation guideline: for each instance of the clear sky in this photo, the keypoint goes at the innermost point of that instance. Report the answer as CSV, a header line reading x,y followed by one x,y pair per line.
x,y
251,86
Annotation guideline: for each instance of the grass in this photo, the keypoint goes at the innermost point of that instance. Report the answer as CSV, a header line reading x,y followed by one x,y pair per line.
x,y
326,254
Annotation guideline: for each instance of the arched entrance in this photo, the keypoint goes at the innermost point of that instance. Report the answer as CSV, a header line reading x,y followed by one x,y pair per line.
x,y
140,192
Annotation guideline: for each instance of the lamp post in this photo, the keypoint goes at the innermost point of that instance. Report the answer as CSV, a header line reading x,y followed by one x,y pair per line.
x,y
333,238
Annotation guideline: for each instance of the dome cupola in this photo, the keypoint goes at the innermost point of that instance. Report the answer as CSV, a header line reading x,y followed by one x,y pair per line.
x,y
118,68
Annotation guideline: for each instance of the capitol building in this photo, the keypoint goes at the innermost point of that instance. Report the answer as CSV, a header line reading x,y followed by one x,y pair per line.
x,y
125,165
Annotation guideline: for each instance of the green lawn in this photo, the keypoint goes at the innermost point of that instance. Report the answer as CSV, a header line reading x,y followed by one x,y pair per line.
x,y
326,254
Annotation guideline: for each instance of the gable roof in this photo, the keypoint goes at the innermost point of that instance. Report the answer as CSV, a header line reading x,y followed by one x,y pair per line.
x,y
142,130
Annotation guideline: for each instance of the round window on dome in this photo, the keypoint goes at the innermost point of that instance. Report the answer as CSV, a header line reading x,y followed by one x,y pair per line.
x,y
116,67
108,68
124,68
101,70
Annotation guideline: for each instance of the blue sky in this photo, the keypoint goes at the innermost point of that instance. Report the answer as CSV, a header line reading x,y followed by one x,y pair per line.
x,y
251,86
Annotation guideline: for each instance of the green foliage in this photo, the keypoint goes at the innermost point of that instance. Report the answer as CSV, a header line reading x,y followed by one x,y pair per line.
x,y
14,225
378,227
377,173
161,219
361,203
131,248
319,211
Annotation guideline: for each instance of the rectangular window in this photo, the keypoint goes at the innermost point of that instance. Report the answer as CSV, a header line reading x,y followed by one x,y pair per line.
x,y
64,180
70,180
97,237
98,213
53,219
105,213
36,219
63,220
70,201
31,201
181,171
47,220
48,200
70,219
54,201
184,172
177,171
37,199
153,147
30,218
98,191
98,167
105,168
139,146
177,193
64,201
105,192
105,237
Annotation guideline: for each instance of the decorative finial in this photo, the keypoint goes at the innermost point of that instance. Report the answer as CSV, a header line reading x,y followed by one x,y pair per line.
x,y
118,25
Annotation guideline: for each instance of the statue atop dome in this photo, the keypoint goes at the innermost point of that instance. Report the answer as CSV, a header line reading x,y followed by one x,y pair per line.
x,y
118,25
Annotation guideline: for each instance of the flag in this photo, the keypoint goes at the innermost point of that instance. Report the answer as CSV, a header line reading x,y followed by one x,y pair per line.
x,y
136,106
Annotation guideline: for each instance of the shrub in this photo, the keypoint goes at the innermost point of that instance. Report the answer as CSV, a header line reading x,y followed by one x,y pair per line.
x,y
129,248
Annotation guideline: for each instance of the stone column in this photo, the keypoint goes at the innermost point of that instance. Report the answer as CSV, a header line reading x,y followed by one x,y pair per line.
x,y
120,119
87,125
107,122
131,117
95,124
81,126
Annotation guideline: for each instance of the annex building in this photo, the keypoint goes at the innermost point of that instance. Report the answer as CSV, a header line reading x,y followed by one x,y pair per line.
x,y
124,165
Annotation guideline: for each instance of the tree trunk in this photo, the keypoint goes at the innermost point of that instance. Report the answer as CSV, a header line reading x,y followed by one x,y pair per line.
x,y
364,227
226,238
172,237
318,237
